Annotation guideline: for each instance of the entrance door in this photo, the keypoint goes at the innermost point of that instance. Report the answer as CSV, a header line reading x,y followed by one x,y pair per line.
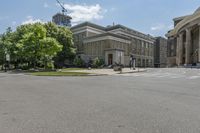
x,y
110,59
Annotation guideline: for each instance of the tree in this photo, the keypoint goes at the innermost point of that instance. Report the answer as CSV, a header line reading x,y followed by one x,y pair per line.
x,y
29,44
64,36
48,49
2,52
26,46
36,45
5,45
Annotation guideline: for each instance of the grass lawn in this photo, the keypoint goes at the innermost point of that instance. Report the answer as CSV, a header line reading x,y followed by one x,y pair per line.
x,y
59,74
72,69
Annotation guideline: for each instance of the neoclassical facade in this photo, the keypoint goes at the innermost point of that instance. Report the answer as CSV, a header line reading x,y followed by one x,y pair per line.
x,y
160,52
184,40
113,44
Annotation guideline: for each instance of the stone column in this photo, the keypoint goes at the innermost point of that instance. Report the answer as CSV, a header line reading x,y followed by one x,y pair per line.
x,y
199,45
181,48
177,50
188,47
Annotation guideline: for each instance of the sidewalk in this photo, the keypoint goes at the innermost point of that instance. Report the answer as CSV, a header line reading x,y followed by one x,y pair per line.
x,y
110,71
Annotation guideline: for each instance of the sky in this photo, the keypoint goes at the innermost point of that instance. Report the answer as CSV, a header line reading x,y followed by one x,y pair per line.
x,y
153,17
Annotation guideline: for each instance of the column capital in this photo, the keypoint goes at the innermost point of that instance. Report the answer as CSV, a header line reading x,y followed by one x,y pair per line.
x,y
188,29
179,34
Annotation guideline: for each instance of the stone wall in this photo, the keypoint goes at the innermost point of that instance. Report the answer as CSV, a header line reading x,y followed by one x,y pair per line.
x,y
171,61
78,41
139,45
160,52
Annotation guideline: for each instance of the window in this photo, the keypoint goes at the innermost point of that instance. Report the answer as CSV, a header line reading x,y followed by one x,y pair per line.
x,y
146,45
147,62
142,44
172,47
139,63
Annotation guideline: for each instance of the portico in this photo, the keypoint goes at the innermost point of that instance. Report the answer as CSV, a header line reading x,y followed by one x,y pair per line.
x,y
188,44
113,56
187,39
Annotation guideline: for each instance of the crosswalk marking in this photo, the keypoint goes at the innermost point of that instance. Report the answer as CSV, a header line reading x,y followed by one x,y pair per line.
x,y
194,77
160,74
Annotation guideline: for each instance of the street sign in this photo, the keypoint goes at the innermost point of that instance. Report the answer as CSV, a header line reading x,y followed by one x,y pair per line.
x,y
7,57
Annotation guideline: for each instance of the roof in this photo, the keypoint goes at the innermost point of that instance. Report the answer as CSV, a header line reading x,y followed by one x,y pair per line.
x,y
110,28
180,18
188,19
129,29
88,24
198,10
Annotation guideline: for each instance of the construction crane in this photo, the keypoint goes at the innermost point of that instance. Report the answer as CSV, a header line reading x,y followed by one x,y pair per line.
x,y
64,10
62,19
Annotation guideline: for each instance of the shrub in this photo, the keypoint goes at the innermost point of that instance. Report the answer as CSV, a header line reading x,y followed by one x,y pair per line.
x,y
50,65
98,62
78,62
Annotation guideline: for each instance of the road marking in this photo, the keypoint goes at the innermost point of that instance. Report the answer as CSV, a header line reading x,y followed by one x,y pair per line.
x,y
156,75
194,77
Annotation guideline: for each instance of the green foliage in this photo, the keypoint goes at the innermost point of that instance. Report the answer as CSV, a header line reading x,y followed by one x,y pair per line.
x,y
31,42
64,36
5,44
98,62
37,45
78,62
50,65
1,51
60,74
49,47
2,55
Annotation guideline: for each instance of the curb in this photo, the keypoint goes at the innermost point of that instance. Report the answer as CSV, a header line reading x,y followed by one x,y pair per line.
x,y
133,72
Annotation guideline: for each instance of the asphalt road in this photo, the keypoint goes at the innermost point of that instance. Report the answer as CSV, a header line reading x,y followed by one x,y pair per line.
x,y
157,101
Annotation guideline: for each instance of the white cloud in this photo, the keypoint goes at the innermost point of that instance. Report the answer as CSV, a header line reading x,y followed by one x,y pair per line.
x,y
161,27
31,20
81,13
158,27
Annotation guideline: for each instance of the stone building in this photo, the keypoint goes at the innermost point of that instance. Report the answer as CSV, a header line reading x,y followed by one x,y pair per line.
x,y
113,44
184,40
62,19
160,52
